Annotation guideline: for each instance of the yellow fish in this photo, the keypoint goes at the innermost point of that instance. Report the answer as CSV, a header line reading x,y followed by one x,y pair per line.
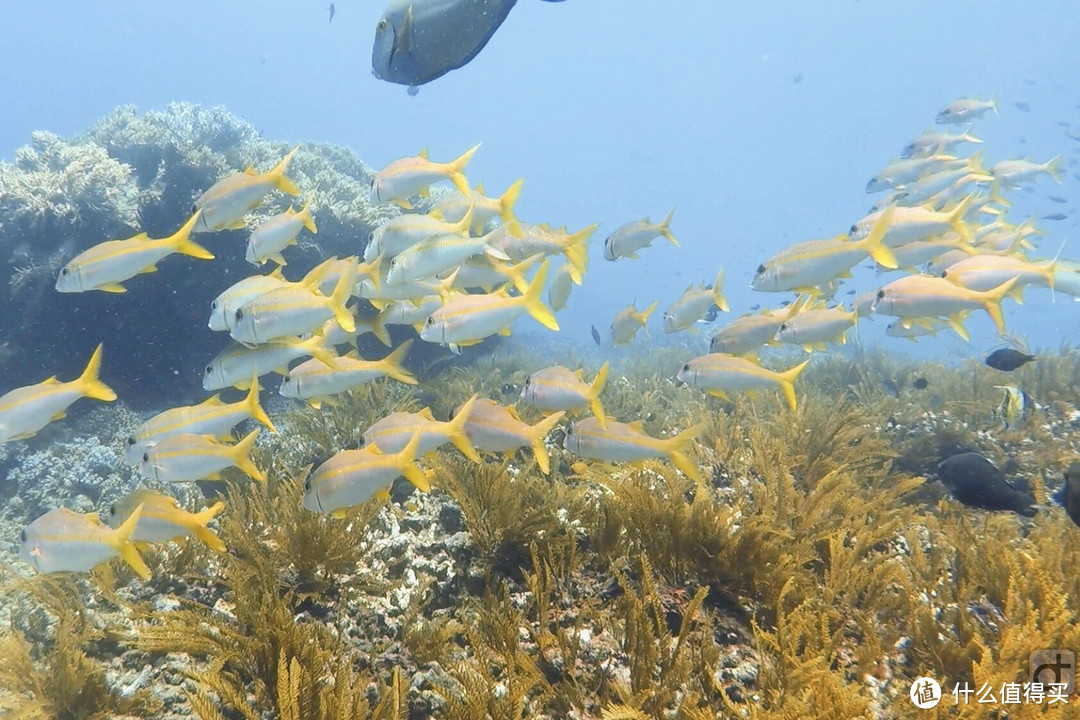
x,y
393,432
352,477
495,428
543,239
292,311
65,541
453,206
718,374
629,320
633,236
267,241
693,304
228,200
411,176
558,388
162,519
814,328
627,442
917,297
235,365
188,458
107,264
25,410
314,381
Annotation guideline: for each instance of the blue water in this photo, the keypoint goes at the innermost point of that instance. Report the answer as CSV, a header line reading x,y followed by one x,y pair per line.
x,y
611,110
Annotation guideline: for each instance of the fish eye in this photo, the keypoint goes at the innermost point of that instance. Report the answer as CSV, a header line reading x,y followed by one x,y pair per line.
x,y
194,209
112,510
146,457
307,485
854,229
382,26
944,273
371,236
213,305
132,441
286,380
570,430
686,367
239,315
880,294
783,327
528,381
761,268
22,536
209,369
431,320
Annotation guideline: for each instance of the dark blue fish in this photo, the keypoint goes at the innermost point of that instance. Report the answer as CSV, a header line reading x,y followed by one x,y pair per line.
x,y
417,41
1008,359
332,10
1055,216
1068,496
977,482
596,336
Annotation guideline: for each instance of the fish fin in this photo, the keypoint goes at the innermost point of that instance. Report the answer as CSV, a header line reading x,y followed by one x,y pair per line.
x,y
719,394
182,243
718,293
1053,168
123,545
992,302
237,225
457,168
255,410
241,456
874,244
956,323
507,201
89,383
307,219
505,332
457,430
378,329
205,534
538,433
340,298
112,288
595,388
341,513
956,218
497,253
281,180
675,449
577,252
319,351
404,204
665,228
392,364
148,269
278,258
787,383
315,403
533,299
648,311
408,467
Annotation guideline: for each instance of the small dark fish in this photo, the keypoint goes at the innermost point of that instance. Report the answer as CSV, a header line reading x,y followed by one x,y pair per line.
x,y
1055,216
755,307
596,336
785,303
850,292
1057,199
977,482
1063,123
1022,106
332,10
1068,496
890,387
711,314
1008,359
797,78
921,384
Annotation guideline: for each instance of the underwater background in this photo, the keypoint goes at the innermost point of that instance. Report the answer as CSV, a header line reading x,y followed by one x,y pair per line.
x,y
824,560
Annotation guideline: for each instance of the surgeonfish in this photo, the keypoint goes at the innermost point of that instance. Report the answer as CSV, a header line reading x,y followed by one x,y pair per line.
x,y
26,410
558,389
234,365
313,381
210,417
718,374
633,236
228,200
267,241
693,304
352,477
392,433
163,520
964,110
627,442
496,428
411,176
107,264
628,321
65,541
187,458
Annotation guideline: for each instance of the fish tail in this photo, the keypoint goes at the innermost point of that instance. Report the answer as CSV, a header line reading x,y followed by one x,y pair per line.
x,y
875,245
665,228
1053,168
787,383
534,302
183,243
516,272
595,388
996,196
205,534
281,180
676,452
457,430
956,322
992,302
577,252
508,200
392,364
315,275
537,434
126,547
956,218
464,226
457,170
496,252
306,218
644,314
318,350
407,463
89,383
255,410
718,292
342,293
241,456
378,328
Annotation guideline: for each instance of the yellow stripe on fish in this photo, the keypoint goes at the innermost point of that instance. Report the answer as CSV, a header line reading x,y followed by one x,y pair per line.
x,y
163,520
65,541
627,442
227,201
187,458
719,374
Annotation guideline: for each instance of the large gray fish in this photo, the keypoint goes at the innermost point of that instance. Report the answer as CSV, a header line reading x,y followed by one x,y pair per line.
x,y
417,41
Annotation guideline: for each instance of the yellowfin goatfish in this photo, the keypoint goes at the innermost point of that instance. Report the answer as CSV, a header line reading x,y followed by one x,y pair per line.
x,y
223,308
399,233
495,428
633,236
487,273
162,519
628,321
25,410
210,417
352,477
1015,407
813,329
544,239
226,203
293,311
453,206
557,388
278,232
392,433
559,288
746,334
964,110
235,364
468,319
985,272
627,442
900,172
916,297
106,265
411,176
909,224
314,381
65,541
438,254
693,304
1013,173
188,458
913,332
806,266
719,374
932,142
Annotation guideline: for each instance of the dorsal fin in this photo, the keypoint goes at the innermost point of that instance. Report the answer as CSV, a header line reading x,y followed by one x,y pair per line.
x,y
638,425
423,153
427,414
